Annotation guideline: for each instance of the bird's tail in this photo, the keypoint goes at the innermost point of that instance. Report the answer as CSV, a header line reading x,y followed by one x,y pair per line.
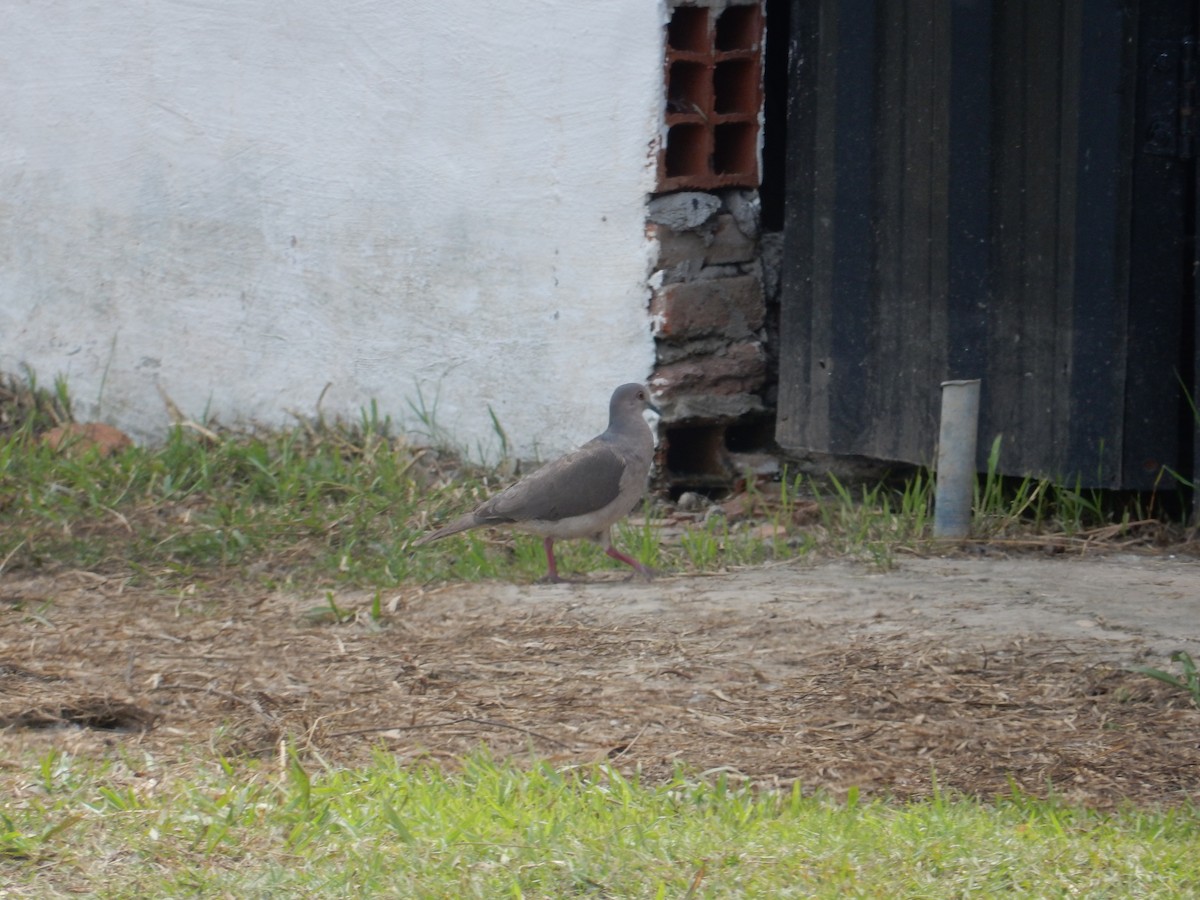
x,y
462,523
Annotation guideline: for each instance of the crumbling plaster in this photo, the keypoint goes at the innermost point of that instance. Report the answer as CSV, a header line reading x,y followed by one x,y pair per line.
x,y
240,204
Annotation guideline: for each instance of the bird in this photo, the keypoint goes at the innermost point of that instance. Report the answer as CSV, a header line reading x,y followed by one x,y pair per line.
x,y
579,495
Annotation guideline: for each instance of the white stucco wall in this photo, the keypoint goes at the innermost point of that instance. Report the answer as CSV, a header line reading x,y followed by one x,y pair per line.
x,y
241,201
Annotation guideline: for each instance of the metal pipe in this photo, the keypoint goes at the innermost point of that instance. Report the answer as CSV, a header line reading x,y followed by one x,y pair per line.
x,y
956,459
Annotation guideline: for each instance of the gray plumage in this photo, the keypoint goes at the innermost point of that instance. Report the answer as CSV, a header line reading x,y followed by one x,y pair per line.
x,y
582,494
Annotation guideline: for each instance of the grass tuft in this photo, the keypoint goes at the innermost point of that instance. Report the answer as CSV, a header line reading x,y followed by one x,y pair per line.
x,y
488,829
1188,681
333,504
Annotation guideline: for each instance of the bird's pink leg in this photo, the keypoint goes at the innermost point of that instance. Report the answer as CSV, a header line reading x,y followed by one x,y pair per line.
x,y
628,560
551,565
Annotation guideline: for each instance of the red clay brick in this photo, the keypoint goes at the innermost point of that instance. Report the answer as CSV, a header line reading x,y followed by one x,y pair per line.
x,y
729,245
736,369
717,243
722,307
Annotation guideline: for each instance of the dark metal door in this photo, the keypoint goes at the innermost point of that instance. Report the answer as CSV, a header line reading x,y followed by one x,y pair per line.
x,y
981,189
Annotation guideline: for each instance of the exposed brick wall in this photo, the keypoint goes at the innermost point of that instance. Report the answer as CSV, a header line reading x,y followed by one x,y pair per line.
x,y
733,369
713,95
718,242
709,314
730,308
708,305
710,310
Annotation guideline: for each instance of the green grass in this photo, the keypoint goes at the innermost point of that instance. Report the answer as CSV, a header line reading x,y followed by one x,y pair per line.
x,y
877,519
335,504
1188,681
325,503
247,829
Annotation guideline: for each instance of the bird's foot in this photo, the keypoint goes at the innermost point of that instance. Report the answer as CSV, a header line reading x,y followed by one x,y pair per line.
x,y
638,567
645,573
558,579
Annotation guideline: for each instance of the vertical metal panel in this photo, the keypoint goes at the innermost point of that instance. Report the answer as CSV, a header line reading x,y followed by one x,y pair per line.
x,y
1192,407
807,82
908,329
962,204
850,291
1101,216
1191,410
1037,60
864,331
1159,270
797,415
969,234
827,264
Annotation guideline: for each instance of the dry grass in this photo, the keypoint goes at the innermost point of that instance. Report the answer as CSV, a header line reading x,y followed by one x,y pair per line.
x,y
165,599
94,661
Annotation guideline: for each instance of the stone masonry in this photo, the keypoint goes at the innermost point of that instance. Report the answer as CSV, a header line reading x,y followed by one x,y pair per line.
x,y
708,307
708,310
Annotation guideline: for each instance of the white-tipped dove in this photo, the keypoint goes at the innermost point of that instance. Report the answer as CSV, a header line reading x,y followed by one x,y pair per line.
x,y
582,494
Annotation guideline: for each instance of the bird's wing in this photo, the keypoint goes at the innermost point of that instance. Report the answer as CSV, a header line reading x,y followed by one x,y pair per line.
x,y
579,483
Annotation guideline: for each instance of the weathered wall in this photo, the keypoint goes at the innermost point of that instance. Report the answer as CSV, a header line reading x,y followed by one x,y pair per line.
x,y
710,309
239,203
710,319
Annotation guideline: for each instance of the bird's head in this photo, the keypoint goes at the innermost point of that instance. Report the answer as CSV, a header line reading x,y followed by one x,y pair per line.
x,y
628,403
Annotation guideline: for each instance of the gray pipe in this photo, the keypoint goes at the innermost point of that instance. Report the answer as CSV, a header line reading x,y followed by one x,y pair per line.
x,y
956,459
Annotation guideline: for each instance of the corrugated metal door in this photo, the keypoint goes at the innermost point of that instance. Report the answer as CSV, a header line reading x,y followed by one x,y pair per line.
x,y
984,189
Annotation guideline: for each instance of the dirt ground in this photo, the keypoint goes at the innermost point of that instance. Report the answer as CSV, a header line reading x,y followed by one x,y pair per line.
x,y
989,670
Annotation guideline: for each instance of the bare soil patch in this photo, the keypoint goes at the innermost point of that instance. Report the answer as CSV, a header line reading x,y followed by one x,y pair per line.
x,y
990,671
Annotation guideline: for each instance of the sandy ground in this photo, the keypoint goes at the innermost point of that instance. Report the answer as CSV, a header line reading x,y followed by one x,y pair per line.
x,y
988,670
